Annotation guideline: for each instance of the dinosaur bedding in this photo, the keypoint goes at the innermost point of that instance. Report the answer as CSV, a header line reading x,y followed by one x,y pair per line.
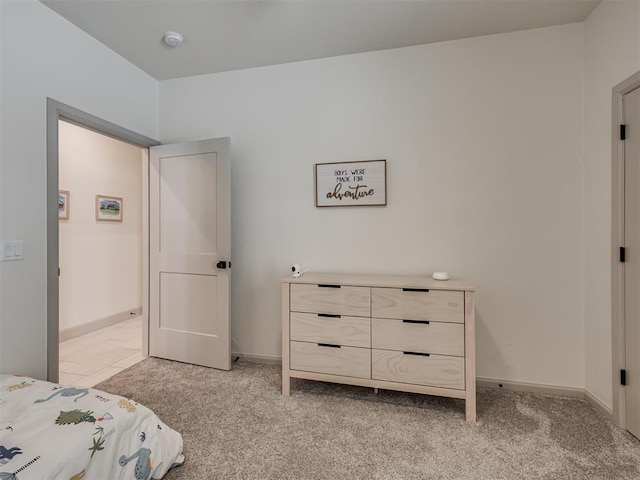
x,y
49,431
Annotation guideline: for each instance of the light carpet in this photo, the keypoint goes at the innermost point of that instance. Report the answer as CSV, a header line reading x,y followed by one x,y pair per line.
x,y
237,425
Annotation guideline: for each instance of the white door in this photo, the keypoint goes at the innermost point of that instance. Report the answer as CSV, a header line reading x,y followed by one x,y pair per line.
x,y
189,244
631,106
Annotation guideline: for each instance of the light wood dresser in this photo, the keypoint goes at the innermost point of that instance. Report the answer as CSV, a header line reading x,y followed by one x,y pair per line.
x,y
412,334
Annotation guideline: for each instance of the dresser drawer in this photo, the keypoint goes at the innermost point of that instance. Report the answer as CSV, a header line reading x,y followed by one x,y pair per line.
x,y
335,299
335,329
345,361
434,370
412,304
418,336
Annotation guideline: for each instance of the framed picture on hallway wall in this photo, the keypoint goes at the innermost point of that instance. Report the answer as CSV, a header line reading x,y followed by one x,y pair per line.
x,y
63,204
108,209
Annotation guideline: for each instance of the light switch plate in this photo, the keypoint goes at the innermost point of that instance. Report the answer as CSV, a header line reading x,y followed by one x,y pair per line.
x,y
7,251
18,250
11,250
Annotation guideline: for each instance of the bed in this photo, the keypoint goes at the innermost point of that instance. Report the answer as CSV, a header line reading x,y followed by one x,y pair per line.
x,y
50,431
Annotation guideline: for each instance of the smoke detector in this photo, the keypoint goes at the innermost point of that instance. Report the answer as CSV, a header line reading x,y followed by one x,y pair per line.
x,y
173,39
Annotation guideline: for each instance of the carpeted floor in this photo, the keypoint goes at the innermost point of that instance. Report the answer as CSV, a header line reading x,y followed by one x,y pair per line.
x,y
237,425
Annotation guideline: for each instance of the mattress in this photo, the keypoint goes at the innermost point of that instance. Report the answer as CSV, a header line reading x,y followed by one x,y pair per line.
x,y
51,431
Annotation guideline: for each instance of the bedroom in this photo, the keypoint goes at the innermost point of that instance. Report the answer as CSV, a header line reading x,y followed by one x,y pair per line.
x,y
508,135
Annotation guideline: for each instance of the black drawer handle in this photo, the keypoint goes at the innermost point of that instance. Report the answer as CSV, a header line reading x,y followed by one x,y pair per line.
x,y
421,322
328,315
330,345
418,354
324,285
415,290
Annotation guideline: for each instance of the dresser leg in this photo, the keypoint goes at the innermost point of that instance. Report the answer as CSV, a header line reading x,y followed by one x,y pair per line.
x,y
375,390
470,408
286,385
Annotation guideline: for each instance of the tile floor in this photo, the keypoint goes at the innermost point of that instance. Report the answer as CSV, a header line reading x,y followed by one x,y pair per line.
x,y
96,356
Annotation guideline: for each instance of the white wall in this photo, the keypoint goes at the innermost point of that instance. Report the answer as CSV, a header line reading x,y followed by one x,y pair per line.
x,y
43,55
1,176
482,138
101,262
483,141
612,54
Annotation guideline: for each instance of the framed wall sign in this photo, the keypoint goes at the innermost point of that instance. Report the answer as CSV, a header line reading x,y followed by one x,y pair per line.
x,y
108,209
349,184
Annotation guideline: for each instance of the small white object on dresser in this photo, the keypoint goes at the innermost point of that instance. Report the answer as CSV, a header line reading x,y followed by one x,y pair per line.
x,y
412,334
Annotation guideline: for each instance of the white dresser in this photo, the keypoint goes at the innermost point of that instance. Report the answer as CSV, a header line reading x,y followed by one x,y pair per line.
x,y
412,334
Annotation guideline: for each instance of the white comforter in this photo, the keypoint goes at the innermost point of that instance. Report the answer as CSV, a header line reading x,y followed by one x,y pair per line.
x,y
49,431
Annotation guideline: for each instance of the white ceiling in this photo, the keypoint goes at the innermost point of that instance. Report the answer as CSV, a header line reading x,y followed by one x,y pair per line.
x,y
222,35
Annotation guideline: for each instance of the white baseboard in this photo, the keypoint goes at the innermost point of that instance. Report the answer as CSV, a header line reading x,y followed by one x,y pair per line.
x,y
557,390
76,331
258,358
599,405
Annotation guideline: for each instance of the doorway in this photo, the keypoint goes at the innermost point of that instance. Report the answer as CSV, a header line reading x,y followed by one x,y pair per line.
x,y
100,254
199,282
57,111
626,255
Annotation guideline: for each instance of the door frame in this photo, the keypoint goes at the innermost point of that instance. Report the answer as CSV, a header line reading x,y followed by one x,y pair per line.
x,y
59,111
617,240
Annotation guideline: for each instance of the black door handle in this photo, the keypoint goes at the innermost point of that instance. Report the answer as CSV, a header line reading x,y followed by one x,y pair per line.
x,y
222,264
